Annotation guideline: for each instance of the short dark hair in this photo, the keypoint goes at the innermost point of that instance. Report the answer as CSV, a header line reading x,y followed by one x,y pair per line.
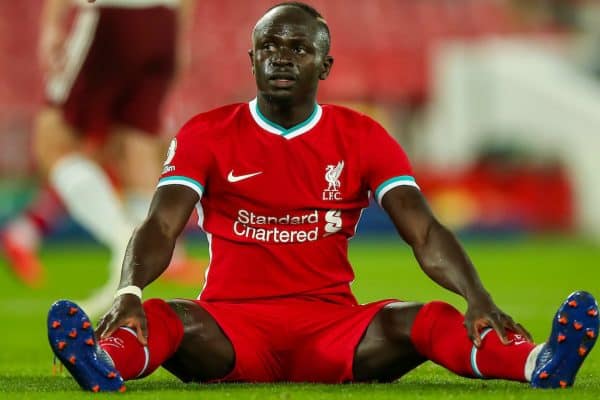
x,y
310,10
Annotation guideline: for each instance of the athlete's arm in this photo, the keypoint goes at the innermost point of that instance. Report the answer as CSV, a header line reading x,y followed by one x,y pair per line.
x,y
444,260
148,255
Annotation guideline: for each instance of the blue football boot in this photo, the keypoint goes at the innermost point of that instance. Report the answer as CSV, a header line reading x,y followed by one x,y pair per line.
x,y
71,337
574,332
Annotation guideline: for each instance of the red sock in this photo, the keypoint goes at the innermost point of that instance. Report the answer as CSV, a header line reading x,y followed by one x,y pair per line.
x,y
165,331
45,210
438,333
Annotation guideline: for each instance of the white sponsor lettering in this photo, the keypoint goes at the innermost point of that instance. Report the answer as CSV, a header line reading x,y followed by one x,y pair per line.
x,y
275,235
168,168
248,217
248,225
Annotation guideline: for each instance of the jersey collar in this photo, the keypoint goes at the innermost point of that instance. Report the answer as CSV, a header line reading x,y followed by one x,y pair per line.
x,y
276,129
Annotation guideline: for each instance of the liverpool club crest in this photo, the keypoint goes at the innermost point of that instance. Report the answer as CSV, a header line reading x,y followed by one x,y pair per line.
x,y
332,176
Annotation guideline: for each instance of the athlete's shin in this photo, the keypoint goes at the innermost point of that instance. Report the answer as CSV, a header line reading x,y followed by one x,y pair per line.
x,y
131,358
91,200
439,334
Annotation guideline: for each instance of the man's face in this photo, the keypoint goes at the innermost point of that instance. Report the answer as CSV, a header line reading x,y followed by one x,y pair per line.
x,y
287,57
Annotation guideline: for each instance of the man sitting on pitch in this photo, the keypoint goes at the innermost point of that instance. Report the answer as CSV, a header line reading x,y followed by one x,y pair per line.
x,y
280,183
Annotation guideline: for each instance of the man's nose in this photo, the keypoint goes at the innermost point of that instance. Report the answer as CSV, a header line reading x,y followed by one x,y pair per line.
x,y
283,57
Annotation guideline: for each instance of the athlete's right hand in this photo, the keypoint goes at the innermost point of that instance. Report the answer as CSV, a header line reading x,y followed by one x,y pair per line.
x,y
126,311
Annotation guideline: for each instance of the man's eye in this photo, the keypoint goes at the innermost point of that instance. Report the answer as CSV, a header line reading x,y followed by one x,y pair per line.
x,y
268,46
300,50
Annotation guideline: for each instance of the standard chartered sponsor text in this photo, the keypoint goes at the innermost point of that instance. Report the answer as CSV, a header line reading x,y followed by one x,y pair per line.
x,y
246,226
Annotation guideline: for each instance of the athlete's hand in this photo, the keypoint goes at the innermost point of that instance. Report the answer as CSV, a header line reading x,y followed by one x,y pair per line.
x,y
127,311
482,312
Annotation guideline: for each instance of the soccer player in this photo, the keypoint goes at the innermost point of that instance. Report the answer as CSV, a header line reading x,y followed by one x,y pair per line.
x,y
279,183
106,80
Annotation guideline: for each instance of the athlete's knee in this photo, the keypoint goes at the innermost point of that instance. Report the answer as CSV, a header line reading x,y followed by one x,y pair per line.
x,y
398,319
53,138
431,310
141,161
427,319
160,307
197,322
158,311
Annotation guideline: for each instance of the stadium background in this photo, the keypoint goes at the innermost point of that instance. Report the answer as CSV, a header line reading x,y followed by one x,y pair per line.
x,y
495,101
409,64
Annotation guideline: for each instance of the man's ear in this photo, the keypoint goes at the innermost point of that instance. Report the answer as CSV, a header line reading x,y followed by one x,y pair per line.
x,y
251,54
326,67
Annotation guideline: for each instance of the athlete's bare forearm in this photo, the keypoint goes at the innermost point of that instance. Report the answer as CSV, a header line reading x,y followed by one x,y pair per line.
x,y
437,250
148,255
444,260
150,249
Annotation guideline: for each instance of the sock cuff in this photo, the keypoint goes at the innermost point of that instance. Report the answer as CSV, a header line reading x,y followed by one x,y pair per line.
x,y
67,163
474,350
532,361
146,352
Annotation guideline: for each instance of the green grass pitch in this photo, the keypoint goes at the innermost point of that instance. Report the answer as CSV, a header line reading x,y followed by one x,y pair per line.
x,y
528,279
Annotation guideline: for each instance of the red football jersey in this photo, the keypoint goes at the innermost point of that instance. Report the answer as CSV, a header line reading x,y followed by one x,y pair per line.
x,y
279,205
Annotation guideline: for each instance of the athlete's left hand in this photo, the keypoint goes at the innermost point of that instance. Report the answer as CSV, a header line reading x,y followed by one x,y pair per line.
x,y
482,312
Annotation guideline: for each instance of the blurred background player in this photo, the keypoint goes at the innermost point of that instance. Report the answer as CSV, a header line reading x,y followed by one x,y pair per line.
x,y
106,80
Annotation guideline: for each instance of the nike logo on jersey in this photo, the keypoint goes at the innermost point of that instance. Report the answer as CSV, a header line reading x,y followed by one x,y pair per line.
x,y
232,178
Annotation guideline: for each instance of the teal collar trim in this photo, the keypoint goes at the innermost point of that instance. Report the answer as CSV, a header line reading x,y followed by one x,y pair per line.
x,y
277,129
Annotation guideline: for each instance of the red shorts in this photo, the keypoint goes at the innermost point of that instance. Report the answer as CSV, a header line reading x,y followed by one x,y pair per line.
x,y
120,64
293,340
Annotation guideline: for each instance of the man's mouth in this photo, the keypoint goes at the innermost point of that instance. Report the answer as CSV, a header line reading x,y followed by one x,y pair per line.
x,y
282,80
284,76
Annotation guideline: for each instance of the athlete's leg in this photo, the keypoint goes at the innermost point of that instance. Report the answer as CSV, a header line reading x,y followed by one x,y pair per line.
x,y
135,156
81,184
435,330
53,138
41,215
181,336
21,237
86,192
402,336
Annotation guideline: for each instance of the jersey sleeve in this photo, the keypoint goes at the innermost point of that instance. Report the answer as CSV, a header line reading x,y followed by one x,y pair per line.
x,y
188,159
385,162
